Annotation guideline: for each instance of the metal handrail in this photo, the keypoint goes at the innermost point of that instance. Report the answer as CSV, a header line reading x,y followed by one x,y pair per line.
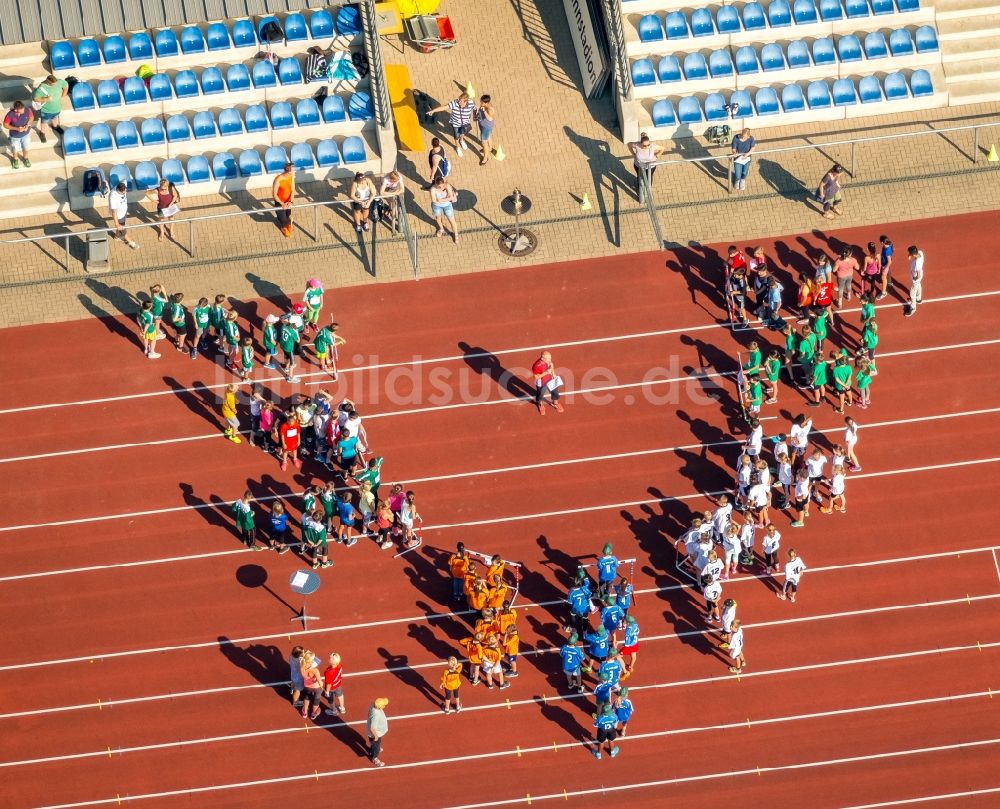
x,y
409,236
646,194
380,98
616,42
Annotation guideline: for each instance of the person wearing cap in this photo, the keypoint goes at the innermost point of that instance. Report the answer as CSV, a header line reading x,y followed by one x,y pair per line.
x,y
578,599
728,617
623,709
612,667
283,192
325,344
607,572
572,661
117,213
312,299
269,337
603,691
378,726
362,196
605,720
630,649
612,617
598,644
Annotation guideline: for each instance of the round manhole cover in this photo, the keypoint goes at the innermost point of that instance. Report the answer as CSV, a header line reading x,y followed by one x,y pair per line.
x,y
518,243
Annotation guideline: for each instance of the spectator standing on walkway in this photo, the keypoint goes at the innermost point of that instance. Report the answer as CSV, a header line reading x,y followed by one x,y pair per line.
x,y
460,113
390,192
443,198
118,211
486,118
378,726
49,97
283,192
644,154
742,146
829,191
17,122
916,278
166,197
362,196
437,161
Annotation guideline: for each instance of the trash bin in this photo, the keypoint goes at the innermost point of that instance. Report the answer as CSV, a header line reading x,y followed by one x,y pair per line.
x,y
97,251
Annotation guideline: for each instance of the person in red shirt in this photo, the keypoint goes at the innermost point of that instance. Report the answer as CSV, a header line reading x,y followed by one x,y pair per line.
x,y
288,435
333,678
546,380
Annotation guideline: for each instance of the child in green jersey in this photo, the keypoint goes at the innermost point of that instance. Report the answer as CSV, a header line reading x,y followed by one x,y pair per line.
x,y
147,326
243,512
217,318
178,318
312,300
202,320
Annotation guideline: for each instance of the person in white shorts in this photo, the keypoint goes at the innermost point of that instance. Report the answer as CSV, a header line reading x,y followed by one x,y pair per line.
x,y
815,465
732,546
799,436
851,443
794,568
916,278
837,487
722,517
771,543
728,618
713,592
785,479
736,647
755,440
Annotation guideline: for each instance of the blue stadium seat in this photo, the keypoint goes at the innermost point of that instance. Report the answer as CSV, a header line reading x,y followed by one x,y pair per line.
x,y
126,135
895,87
88,53
197,169
243,34
217,37
120,174
720,64
307,112
256,118
134,90
844,93
779,15
289,71
333,110
178,129
327,154
818,95
908,5
166,43
82,96
753,17
186,84
211,81
359,107
869,90
766,101
73,140
354,150
849,49
880,7
237,78
727,20
147,176
804,12
900,42
643,73
669,69
676,25
192,40
172,171
772,57
875,47
160,88
140,47
321,24
920,84
100,138
223,167
275,158
823,52
746,61
856,9
831,10
152,133
115,51
663,113
792,99
108,93
926,39
264,21
62,56
715,108
302,157
701,23
650,28
203,125
281,116
689,110
230,122
348,21
741,98
264,75
101,185
250,164
695,67
798,54
296,29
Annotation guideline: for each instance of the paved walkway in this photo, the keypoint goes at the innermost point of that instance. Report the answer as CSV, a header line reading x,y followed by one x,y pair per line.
x,y
559,147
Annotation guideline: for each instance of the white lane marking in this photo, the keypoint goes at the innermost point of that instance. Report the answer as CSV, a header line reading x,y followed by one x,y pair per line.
x,y
996,564
927,798
541,649
417,361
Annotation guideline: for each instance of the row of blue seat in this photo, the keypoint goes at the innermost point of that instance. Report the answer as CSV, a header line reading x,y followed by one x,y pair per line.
x,y
188,84
248,163
153,132
677,25
773,57
817,96
217,37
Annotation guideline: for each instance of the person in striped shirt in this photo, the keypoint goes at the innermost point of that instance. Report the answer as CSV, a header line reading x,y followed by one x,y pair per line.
x,y
460,113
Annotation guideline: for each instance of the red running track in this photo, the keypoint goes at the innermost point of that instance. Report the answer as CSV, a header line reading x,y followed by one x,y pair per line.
x,y
137,667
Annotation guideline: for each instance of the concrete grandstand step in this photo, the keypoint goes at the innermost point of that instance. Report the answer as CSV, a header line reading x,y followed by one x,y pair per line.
x,y
974,92
972,70
959,9
984,46
967,27
39,178
34,204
